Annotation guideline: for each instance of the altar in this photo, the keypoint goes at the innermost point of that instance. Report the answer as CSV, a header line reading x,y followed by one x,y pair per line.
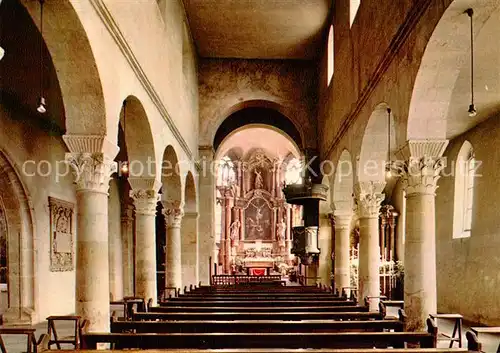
x,y
256,232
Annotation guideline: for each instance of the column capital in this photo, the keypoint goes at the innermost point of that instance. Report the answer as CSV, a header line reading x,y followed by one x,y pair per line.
x,y
342,220
173,210
145,201
369,197
92,171
422,163
91,159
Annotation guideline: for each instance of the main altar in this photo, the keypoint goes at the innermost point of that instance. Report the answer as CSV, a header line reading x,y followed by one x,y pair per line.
x,y
256,220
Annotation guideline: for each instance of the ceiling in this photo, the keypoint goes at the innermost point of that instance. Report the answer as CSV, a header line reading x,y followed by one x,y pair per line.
x,y
258,29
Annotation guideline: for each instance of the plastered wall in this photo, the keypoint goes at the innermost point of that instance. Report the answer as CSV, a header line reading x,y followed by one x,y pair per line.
x,y
22,141
468,269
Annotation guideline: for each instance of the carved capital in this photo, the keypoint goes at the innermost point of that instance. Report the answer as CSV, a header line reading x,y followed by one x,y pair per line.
x,y
369,197
342,220
423,163
173,212
92,171
145,201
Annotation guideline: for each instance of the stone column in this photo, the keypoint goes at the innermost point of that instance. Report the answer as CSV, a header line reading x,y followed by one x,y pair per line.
x,y
128,249
144,193
115,243
288,234
226,241
91,158
173,213
369,197
189,256
420,172
342,246
325,244
206,182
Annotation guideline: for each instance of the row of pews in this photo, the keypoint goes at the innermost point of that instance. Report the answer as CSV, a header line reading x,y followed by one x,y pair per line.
x,y
264,318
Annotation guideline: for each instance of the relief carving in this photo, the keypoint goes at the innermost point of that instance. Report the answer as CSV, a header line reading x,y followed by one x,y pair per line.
x,y
61,235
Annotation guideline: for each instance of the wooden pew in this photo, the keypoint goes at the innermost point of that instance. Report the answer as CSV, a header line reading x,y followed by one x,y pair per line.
x,y
259,309
274,326
262,303
260,340
290,316
260,294
328,298
274,350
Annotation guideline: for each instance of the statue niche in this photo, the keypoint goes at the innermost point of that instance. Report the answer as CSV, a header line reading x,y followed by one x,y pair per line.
x,y
258,221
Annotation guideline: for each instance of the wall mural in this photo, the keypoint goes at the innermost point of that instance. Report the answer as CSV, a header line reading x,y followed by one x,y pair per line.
x,y
61,235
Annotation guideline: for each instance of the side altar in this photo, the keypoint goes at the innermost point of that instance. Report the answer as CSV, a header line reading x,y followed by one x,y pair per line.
x,y
256,220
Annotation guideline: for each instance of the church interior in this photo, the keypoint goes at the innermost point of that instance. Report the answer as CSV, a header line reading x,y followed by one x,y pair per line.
x,y
250,175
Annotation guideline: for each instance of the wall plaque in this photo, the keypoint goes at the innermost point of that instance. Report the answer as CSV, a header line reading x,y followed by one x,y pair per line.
x,y
61,235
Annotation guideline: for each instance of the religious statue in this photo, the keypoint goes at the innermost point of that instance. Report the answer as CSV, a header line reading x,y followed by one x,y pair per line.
x,y
280,232
235,231
259,181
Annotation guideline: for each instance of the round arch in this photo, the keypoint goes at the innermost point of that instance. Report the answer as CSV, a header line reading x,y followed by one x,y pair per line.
x,y
266,114
190,194
343,183
20,234
374,147
74,61
138,139
171,189
446,54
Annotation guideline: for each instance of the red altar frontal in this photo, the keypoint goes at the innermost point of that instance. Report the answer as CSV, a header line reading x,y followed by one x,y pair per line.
x,y
256,220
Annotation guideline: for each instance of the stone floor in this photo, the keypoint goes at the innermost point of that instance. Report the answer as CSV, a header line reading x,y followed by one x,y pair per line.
x,y
16,344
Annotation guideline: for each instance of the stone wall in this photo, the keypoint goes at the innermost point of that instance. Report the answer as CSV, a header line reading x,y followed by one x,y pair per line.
x,y
468,273
23,141
227,85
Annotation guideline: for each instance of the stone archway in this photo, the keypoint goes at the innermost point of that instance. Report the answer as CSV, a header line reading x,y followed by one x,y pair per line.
x,y
172,203
342,198
189,226
20,229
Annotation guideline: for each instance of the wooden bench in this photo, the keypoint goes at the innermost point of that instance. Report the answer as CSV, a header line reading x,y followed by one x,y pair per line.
x,y
260,340
266,309
274,326
262,303
274,350
290,316
330,298
32,344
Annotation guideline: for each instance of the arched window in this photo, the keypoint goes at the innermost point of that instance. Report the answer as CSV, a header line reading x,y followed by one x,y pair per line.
x,y
293,174
330,56
353,9
464,191
226,174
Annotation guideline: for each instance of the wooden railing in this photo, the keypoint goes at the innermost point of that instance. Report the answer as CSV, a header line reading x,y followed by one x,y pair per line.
x,y
231,280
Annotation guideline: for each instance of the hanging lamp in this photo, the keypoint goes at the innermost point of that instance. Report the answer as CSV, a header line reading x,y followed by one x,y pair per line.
x,y
472,109
42,107
125,167
388,172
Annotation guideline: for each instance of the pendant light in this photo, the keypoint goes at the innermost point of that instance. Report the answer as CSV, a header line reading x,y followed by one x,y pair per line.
x,y
388,173
124,168
42,107
472,109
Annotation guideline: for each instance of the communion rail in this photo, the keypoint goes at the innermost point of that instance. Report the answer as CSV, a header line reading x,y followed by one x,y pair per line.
x,y
231,280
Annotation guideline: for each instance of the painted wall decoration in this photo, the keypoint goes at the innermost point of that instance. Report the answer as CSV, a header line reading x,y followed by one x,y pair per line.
x,y
61,235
